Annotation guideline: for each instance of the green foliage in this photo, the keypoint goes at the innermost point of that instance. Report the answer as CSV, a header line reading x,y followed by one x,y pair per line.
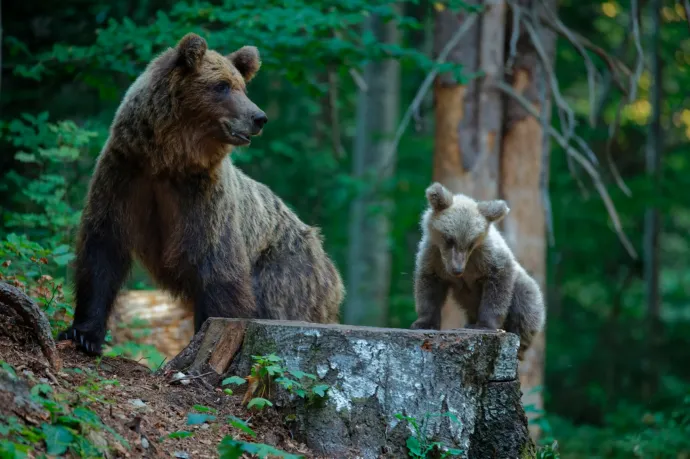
x,y
68,427
229,448
418,444
267,370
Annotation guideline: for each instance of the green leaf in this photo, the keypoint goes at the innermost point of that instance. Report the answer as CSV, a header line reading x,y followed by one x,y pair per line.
x,y
240,424
25,157
63,260
40,390
180,434
8,368
230,448
259,403
414,446
61,249
197,418
233,380
205,409
57,439
320,389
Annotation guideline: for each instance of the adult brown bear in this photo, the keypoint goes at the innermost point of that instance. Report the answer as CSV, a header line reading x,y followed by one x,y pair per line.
x,y
166,192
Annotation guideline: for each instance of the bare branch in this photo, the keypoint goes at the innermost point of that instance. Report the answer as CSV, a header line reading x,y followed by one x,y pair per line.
x,y
613,131
592,73
614,65
426,84
587,166
569,125
359,80
686,6
639,65
573,172
515,34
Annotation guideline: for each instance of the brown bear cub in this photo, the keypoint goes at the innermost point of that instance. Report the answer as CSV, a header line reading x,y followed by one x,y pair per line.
x,y
461,251
165,191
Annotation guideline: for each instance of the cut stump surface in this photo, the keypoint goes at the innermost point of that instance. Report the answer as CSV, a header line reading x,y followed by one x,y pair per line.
x,y
374,374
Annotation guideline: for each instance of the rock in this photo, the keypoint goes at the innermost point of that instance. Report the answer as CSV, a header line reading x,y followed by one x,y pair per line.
x,y
374,374
137,403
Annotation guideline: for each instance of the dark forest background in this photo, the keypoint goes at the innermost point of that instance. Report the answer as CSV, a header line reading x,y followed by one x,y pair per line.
x,y
336,81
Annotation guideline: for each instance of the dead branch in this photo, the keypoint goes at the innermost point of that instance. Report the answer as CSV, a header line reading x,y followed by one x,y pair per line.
x,y
614,65
613,130
592,73
569,125
426,84
586,165
32,315
639,65
515,34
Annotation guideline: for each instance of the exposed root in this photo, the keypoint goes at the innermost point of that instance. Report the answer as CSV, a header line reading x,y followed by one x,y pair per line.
x,y
32,315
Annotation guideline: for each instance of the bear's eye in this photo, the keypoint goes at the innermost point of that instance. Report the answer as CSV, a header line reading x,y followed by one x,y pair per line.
x,y
449,241
222,87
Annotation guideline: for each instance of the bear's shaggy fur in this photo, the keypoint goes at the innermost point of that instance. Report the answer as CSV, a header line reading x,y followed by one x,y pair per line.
x,y
166,192
462,251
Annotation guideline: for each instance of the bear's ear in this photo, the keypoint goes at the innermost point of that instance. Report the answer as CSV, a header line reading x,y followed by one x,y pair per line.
x,y
493,211
439,197
247,61
191,50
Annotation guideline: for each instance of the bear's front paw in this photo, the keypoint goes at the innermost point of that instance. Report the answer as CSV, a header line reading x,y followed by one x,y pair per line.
x,y
88,341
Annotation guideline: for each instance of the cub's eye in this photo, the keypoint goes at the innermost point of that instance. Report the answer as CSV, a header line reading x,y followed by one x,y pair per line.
x,y
449,241
222,88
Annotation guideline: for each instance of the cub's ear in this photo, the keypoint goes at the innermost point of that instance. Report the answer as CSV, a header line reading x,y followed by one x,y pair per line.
x,y
191,50
439,197
493,211
246,60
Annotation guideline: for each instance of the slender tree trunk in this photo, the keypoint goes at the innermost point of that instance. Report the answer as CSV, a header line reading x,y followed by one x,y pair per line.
x,y
653,160
369,254
524,179
468,117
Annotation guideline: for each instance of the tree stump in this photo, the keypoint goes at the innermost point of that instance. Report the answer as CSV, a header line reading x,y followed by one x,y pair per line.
x,y
374,374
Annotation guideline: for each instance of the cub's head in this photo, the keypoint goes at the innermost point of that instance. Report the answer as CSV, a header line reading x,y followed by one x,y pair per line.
x,y
457,224
208,91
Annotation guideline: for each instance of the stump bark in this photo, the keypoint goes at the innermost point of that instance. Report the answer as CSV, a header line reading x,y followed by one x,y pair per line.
x,y
374,374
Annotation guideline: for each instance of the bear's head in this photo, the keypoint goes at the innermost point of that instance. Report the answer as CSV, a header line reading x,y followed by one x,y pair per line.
x,y
457,224
209,91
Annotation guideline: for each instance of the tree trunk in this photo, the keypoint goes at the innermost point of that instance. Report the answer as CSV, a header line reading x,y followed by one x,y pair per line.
x,y
468,117
369,256
477,130
524,179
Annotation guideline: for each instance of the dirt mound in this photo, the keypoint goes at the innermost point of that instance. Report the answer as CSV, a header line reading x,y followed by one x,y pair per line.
x,y
116,406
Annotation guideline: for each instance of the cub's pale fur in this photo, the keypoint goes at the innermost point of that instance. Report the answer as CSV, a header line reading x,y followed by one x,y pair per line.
x,y
462,251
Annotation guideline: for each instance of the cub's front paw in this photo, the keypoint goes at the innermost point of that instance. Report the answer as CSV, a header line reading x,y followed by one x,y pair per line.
x,y
479,327
422,325
90,342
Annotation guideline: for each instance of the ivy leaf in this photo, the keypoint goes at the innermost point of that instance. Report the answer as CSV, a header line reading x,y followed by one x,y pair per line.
x,y
197,418
57,439
62,260
205,409
240,424
414,446
233,380
320,389
259,402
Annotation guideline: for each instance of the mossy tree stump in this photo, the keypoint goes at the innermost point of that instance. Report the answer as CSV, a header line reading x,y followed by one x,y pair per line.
x,y
374,374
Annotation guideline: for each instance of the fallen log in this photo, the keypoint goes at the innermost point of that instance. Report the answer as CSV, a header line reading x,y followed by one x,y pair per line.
x,y
375,374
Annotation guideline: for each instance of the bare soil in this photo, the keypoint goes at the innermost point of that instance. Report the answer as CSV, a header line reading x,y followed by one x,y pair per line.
x,y
139,405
